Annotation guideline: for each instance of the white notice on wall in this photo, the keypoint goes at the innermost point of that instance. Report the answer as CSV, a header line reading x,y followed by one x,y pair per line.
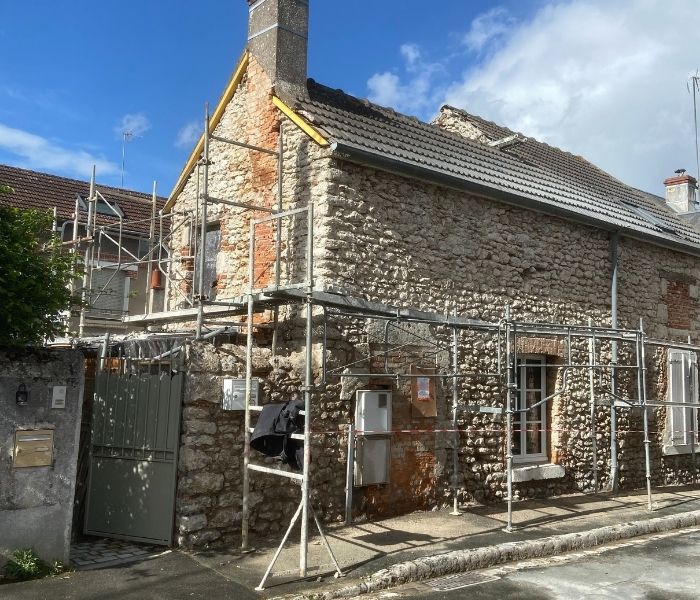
x,y
58,396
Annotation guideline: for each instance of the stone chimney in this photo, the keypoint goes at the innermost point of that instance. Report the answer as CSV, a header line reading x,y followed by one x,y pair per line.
x,y
277,40
680,192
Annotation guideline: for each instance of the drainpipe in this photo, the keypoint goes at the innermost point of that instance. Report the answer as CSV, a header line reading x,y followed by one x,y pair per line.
x,y
613,481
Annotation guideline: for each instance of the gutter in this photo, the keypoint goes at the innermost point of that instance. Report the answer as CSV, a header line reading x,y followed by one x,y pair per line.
x,y
362,157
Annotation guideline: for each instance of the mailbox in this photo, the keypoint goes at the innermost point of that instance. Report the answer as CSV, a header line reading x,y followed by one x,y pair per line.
x,y
33,448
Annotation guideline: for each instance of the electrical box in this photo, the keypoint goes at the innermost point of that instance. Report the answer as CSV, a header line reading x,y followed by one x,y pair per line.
x,y
372,460
33,448
373,412
234,394
373,442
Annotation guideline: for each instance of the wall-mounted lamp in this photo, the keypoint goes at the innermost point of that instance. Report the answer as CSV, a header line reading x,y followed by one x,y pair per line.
x,y
22,395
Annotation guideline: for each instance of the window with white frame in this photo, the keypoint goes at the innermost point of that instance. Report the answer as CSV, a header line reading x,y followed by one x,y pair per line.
x,y
681,429
530,427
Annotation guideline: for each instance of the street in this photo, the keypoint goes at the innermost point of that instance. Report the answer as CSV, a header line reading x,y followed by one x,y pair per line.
x,y
660,567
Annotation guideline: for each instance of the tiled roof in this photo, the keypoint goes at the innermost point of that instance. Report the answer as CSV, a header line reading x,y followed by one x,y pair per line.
x,y
531,173
41,190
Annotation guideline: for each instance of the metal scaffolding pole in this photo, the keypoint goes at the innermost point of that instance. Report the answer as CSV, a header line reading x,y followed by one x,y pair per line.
x,y
591,386
308,386
151,239
203,234
87,265
641,358
248,390
510,393
455,442
614,467
278,232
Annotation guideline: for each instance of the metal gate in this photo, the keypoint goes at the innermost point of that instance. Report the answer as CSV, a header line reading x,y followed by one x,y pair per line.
x,y
133,453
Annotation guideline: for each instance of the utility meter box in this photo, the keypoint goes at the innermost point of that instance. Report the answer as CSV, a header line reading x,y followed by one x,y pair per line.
x,y
373,443
234,394
373,412
33,448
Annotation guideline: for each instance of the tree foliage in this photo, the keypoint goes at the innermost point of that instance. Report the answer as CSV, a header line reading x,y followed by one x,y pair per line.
x,y
35,272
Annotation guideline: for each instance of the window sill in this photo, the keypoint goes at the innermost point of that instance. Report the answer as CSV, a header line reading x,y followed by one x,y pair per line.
x,y
679,449
538,472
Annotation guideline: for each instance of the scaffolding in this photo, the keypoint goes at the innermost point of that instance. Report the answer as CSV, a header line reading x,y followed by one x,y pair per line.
x,y
585,341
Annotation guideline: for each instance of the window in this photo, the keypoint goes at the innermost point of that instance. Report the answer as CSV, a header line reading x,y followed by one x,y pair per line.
x,y
643,213
102,206
681,429
529,428
213,241
109,294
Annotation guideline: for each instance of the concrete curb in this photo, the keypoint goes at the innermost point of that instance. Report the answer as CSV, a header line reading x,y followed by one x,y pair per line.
x,y
459,561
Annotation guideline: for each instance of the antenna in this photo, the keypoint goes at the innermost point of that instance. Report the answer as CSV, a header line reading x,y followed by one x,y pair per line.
x,y
694,83
127,136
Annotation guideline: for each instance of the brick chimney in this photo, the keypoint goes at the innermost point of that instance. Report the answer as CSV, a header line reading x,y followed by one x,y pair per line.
x,y
680,192
278,40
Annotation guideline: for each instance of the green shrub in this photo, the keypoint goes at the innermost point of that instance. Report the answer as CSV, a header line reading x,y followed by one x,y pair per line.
x,y
25,564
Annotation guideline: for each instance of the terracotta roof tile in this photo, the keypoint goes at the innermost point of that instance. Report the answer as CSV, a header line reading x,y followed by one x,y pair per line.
x,y
33,189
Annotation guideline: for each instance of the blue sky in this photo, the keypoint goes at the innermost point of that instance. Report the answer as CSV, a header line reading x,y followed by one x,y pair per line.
x,y
603,79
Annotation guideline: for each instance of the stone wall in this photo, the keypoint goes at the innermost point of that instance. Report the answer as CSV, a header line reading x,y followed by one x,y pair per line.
x,y
249,176
36,503
405,242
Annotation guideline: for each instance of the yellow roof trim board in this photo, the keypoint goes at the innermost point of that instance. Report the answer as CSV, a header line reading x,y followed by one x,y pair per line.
x,y
312,132
213,122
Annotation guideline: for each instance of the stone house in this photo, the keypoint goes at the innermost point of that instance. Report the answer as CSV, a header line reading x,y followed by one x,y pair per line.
x,y
458,216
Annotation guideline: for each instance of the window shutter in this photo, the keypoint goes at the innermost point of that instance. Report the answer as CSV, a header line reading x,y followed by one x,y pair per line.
x,y
691,425
678,387
108,300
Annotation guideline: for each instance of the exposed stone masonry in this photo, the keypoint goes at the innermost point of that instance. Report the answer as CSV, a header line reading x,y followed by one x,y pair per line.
x,y
404,242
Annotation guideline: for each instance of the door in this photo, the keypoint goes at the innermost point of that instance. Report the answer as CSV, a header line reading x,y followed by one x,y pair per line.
x,y
133,455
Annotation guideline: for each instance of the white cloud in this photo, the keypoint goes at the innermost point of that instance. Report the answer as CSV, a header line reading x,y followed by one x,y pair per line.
x,y
600,79
36,152
415,96
411,54
136,124
486,28
606,80
188,134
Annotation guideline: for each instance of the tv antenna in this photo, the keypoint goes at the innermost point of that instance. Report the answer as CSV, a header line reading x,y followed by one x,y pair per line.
x,y
127,136
694,84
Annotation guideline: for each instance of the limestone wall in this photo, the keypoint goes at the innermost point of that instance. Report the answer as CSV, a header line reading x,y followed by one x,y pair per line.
x,y
404,242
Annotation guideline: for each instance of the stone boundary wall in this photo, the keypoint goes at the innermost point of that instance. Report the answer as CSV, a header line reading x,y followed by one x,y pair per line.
x,y
36,503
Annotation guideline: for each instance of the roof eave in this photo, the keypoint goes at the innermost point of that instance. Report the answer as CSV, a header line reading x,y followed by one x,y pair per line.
x,y
363,157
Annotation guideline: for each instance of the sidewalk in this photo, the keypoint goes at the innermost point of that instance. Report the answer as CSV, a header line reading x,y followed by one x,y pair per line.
x,y
377,555
371,548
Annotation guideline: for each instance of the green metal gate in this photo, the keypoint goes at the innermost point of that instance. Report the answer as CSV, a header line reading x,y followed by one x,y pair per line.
x,y
133,455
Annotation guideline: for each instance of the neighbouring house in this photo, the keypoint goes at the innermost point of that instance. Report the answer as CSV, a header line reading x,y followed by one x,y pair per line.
x,y
458,216
117,283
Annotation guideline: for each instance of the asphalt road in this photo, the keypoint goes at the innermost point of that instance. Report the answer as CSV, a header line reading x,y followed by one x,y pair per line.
x,y
662,567
174,576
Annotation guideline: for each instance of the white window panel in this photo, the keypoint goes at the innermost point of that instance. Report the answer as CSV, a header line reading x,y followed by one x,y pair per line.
x,y
681,428
530,435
